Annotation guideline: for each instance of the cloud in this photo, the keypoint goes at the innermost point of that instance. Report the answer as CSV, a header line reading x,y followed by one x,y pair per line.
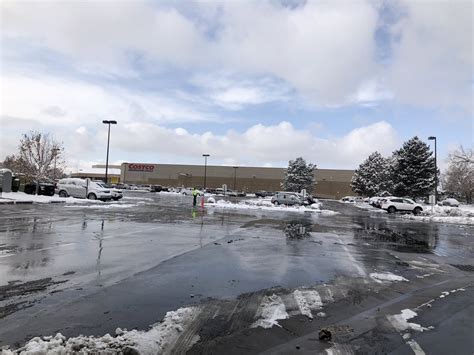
x,y
432,61
259,144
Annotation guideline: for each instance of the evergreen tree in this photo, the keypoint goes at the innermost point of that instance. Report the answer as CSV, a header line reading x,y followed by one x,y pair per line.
x,y
299,175
372,176
413,169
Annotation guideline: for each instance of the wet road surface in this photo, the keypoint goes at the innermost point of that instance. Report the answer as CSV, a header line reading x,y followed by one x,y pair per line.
x,y
88,269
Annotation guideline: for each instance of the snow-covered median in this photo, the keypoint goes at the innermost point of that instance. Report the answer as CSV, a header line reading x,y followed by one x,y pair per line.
x,y
159,339
459,215
266,205
387,276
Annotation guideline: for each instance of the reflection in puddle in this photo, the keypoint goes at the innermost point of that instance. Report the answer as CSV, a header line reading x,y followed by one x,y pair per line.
x,y
422,239
296,230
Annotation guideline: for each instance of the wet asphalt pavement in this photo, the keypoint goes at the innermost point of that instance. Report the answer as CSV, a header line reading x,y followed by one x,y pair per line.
x,y
90,268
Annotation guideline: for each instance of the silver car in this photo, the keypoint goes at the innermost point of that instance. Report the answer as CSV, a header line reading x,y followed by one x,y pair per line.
x,y
287,198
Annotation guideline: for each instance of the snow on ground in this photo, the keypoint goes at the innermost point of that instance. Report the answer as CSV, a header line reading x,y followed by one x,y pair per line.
x,y
265,204
400,321
159,339
459,215
387,276
308,301
270,310
22,197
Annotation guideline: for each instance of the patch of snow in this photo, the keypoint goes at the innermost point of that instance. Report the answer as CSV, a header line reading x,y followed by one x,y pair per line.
x,y
447,293
211,200
137,198
21,196
270,310
445,214
423,276
339,349
159,339
400,321
266,205
307,301
386,277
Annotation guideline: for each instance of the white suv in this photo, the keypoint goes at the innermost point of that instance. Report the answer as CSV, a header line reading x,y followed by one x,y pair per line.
x,y
117,194
394,204
82,188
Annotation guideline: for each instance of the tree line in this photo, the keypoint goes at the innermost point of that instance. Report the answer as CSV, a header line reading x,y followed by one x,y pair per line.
x,y
411,171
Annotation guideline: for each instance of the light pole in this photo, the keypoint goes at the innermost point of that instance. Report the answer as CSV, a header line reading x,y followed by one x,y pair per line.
x,y
235,175
108,142
55,152
433,138
205,170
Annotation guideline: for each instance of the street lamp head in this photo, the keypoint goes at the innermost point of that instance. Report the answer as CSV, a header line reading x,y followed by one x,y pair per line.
x,y
431,138
205,155
109,122
113,122
105,121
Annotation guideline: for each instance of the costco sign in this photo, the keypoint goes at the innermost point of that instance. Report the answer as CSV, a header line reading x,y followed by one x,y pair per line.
x,y
141,167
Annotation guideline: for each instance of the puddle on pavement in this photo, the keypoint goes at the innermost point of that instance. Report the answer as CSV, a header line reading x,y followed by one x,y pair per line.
x,y
423,239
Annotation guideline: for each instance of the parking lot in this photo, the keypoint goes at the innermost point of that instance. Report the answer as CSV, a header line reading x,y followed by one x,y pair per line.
x,y
92,268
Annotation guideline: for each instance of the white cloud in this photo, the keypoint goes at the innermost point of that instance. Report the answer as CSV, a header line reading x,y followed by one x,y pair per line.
x,y
432,62
259,144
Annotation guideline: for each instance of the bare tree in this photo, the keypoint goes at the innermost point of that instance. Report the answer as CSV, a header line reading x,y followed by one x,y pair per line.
x,y
38,157
459,177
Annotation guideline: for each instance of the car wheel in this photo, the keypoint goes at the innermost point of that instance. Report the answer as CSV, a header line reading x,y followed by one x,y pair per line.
x,y
92,196
62,193
276,203
115,198
417,211
392,209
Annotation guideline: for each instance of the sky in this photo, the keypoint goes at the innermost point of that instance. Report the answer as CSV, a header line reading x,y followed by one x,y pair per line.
x,y
252,83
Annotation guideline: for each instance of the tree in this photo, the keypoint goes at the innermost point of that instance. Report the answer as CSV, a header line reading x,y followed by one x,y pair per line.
x,y
458,181
372,177
413,169
299,176
38,153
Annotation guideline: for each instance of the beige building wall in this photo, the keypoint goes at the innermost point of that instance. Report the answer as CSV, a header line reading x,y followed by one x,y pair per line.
x,y
330,183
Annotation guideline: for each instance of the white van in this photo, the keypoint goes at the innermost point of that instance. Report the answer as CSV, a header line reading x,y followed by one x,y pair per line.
x,y
83,188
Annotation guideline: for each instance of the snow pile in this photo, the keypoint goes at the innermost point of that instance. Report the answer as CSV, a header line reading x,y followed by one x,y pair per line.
x,y
460,215
22,197
271,309
386,277
266,205
159,339
400,321
308,301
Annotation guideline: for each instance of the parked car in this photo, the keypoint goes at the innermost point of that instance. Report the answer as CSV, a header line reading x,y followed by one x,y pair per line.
x,y
236,193
263,193
350,199
396,204
44,187
155,188
452,202
82,188
117,194
288,198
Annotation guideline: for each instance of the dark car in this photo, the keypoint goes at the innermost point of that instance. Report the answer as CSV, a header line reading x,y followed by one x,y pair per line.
x,y
263,193
45,188
156,188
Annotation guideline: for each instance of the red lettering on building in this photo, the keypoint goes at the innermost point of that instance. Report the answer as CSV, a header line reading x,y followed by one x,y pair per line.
x,y
141,167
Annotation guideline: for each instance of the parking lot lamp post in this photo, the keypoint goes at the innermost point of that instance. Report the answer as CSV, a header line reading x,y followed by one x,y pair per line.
x,y
235,176
205,170
55,152
433,138
108,143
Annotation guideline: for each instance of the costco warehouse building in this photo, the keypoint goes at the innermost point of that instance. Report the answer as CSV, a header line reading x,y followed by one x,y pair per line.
x,y
330,183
